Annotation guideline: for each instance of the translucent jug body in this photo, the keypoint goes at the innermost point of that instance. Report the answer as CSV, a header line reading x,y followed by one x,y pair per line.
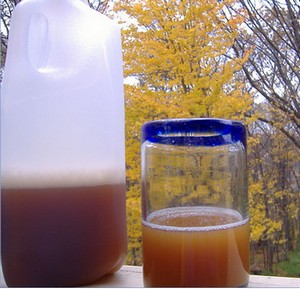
x,y
63,198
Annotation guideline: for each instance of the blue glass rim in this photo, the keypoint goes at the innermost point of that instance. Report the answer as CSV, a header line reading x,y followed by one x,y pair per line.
x,y
194,132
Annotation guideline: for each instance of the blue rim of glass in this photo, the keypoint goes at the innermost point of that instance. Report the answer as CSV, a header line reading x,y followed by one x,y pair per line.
x,y
194,132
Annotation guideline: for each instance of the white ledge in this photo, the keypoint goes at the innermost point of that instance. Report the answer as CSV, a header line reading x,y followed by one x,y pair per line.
x,y
131,276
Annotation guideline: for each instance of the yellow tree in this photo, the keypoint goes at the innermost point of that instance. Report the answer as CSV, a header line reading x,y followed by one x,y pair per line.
x,y
179,53
183,51
274,195
272,72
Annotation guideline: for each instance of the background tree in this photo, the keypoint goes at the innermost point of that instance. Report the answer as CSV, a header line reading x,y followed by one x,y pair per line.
x,y
178,49
273,33
274,196
180,55
272,75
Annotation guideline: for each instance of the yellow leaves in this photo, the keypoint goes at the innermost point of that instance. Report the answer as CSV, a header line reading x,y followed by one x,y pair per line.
x,y
274,203
262,227
175,49
273,226
279,194
134,228
293,209
180,45
256,231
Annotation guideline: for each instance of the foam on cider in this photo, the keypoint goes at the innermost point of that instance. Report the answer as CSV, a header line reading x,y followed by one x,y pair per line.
x,y
198,219
63,178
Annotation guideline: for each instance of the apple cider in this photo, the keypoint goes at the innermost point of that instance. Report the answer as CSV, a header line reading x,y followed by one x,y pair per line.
x,y
62,236
195,246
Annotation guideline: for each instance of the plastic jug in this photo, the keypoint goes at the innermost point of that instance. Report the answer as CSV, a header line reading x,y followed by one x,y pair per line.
x,y
63,216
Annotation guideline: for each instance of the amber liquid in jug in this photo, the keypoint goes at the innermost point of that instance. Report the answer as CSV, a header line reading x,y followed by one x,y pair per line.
x,y
55,235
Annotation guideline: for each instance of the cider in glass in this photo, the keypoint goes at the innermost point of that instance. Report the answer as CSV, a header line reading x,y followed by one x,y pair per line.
x,y
195,220
195,246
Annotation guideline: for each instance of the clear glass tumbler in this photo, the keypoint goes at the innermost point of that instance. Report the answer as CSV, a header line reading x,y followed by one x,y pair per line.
x,y
195,203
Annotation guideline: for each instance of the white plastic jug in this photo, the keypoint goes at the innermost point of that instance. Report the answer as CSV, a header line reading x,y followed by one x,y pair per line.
x,y
63,200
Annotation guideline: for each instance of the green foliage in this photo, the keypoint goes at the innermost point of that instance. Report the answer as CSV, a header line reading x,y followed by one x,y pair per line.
x,y
291,267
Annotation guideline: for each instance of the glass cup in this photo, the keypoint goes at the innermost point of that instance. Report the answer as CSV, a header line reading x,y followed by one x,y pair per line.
x,y
194,203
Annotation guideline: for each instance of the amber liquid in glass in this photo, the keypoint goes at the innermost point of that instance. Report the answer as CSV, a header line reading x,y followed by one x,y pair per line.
x,y
62,236
195,246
